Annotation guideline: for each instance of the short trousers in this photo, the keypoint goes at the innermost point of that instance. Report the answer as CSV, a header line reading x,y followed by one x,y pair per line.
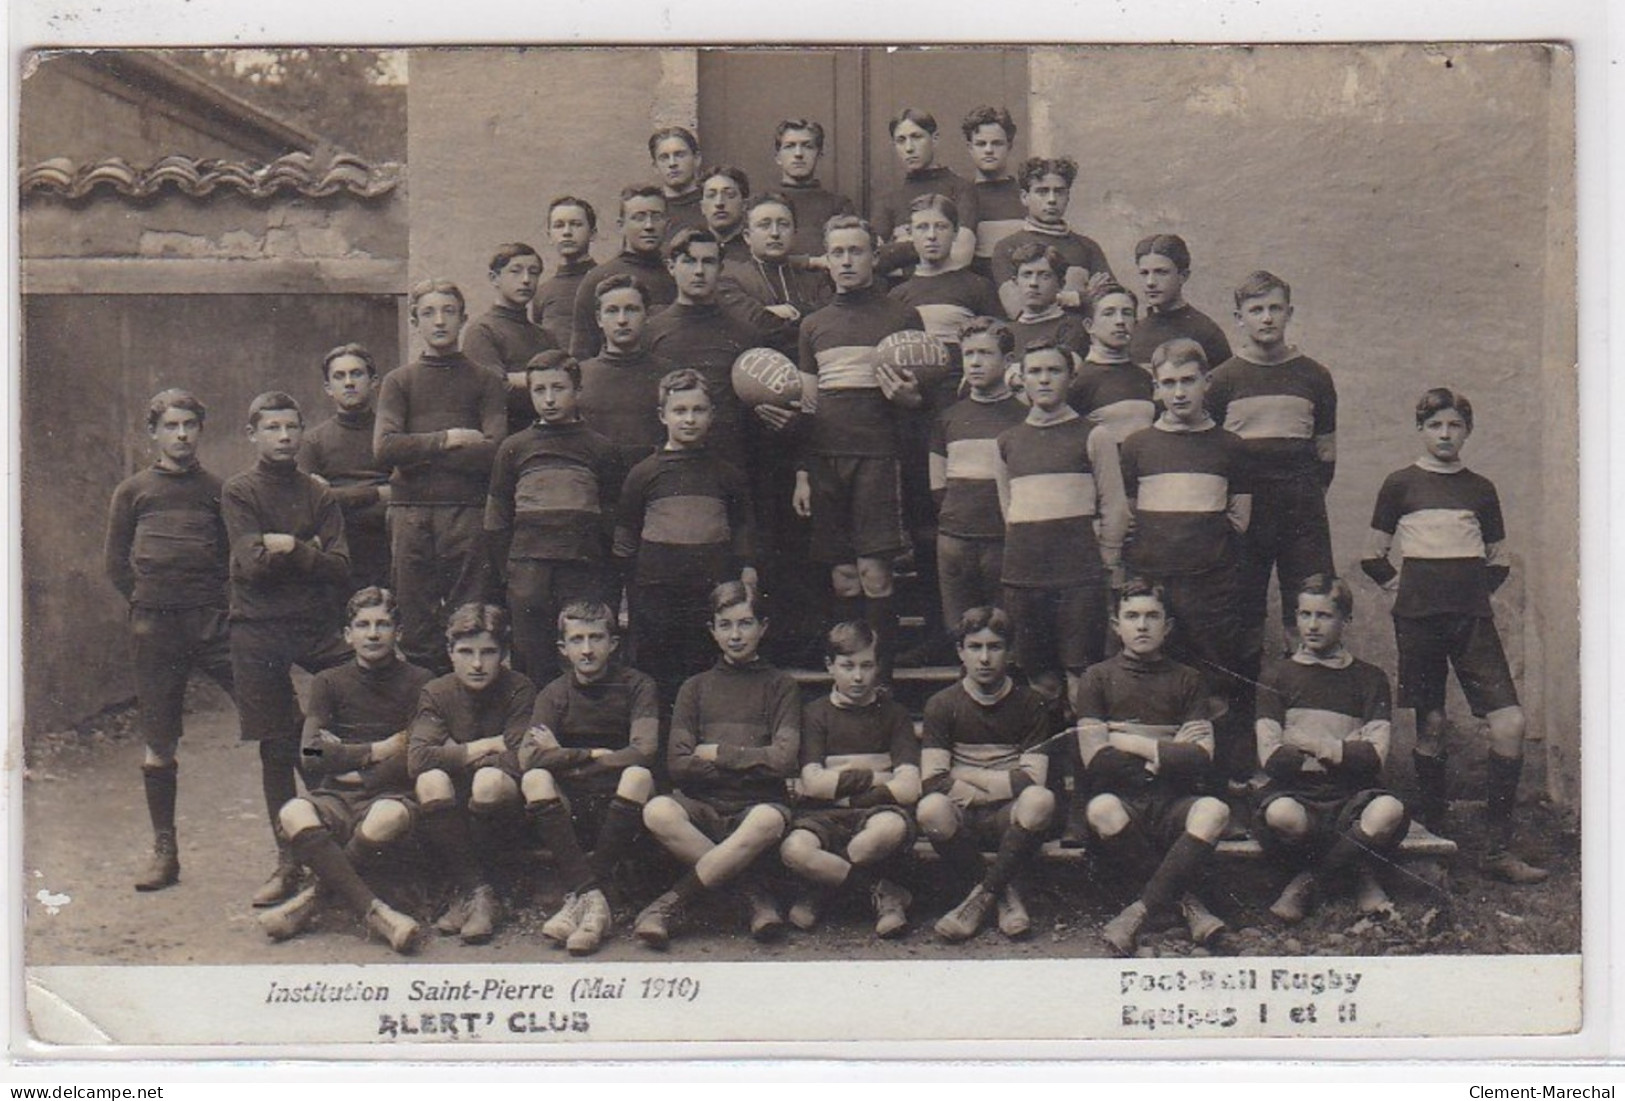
x,y
1428,646
1159,815
718,820
1332,814
342,811
857,508
1058,629
837,826
167,644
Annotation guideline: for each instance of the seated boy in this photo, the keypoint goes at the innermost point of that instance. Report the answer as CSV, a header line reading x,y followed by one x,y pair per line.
x,y
338,452
989,134
462,753
860,779
1323,738
1111,389
587,759
504,338
1038,272
289,563
1164,262
1448,523
176,586
571,226
353,754
984,768
620,386
735,733
1046,191
1146,746
550,511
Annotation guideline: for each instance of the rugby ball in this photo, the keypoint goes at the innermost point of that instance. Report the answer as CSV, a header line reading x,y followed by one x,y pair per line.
x,y
762,376
917,351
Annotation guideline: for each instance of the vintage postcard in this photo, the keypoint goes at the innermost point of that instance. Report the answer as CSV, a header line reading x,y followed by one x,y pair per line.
x,y
1256,364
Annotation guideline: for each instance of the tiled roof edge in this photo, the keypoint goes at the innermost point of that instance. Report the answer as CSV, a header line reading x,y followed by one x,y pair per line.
x,y
295,173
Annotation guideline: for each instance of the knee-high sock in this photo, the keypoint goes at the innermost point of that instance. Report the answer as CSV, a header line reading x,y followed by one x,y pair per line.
x,y
161,783
278,758
619,830
1432,784
1504,773
1015,847
1185,858
963,859
445,828
550,823
316,849
1130,852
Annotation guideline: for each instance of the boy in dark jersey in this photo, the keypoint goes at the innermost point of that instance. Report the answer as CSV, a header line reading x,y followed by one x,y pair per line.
x,y
166,554
735,733
440,419
984,767
1057,475
1188,488
860,779
1323,738
360,801
990,133
642,222
504,337
914,139
1164,263
587,759
1283,405
724,190
1448,523
798,144
620,386
1111,389
289,562
338,452
571,226
1146,744
1046,191
675,154
1039,272
462,753
551,512
684,526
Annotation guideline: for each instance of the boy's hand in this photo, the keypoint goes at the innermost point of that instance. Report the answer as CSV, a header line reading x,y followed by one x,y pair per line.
x,y
777,417
278,543
801,500
463,437
707,752
517,380
786,311
319,480
392,746
485,747
898,385
384,493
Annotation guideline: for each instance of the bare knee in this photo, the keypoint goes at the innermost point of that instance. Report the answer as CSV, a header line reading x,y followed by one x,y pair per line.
x,y
1381,818
844,580
1287,818
434,786
1034,809
763,826
937,816
880,836
537,786
297,816
637,784
799,848
664,816
386,820
492,788
1507,726
1207,819
874,577
1106,815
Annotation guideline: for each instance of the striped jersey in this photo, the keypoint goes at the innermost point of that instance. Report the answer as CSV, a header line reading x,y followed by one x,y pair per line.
x,y
839,744
1001,213
685,516
947,300
1061,477
552,494
964,463
1343,697
1285,413
1077,250
965,735
1181,483
851,416
1056,327
1447,527
1118,396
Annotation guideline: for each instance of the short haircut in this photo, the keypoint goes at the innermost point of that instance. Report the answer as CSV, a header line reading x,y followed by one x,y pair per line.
x,y
554,359
588,611
776,198
733,172
272,401
1030,251
684,378
477,619
988,116
1092,300
813,128
852,637
984,618
173,399
1328,584
571,200
1438,399
997,329
940,203
640,191
506,254
373,596
1260,283
343,350
425,287
849,221
683,240
1036,168
730,593
1171,245
621,282
925,120
1139,586
682,132
1178,352
1048,344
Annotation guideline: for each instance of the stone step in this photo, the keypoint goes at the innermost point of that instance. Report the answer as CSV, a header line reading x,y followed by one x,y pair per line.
x,y
1419,844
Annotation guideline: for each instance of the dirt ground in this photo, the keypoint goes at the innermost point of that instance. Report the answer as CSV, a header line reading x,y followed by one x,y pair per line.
x,y
87,837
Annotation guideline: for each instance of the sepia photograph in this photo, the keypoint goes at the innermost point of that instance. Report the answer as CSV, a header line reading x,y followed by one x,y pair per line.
x,y
543,545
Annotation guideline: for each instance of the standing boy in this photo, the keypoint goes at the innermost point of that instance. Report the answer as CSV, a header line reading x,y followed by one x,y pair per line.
x,y
338,452
798,144
990,134
1046,191
571,226
504,338
289,562
1164,263
766,289
1038,317
166,554
620,386
1111,389
1448,523
914,139
440,419
724,191
642,222
675,153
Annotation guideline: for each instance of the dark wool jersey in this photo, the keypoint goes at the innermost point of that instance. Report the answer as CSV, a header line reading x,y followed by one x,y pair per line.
x,y
1055,327
554,306
303,584
734,249
416,405
1160,326
1002,736
1077,250
449,716
166,542
619,712
620,397
752,713
838,345
359,706
892,209
1445,525
1061,477
965,465
1119,396
1278,410
1352,704
813,205
1181,483
750,285
504,339
685,517
1000,213
1153,692
553,494
878,737
684,212
586,338
709,340
340,450
948,300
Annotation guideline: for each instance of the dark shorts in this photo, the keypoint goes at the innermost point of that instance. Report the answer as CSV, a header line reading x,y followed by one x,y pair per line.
x,y
342,811
1331,815
167,644
717,820
987,823
1160,816
1058,629
837,826
1430,645
263,654
857,508
968,572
